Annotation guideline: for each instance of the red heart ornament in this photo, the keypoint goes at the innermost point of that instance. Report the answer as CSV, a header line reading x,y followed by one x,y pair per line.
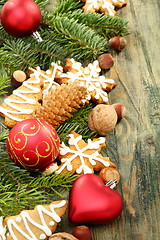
x,y
91,202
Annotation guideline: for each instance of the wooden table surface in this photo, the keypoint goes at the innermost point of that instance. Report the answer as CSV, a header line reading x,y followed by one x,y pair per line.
x,y
134,145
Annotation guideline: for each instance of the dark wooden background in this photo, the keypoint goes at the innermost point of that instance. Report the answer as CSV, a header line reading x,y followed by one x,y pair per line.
x,y
134,145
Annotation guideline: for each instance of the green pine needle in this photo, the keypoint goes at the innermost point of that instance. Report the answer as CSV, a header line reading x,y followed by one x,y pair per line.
x,y
77,123
66,31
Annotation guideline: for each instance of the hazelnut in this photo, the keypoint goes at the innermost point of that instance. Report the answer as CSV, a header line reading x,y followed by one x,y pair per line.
x,y
120,110
106,61
17,78
118,43
102,119
109,173
82,232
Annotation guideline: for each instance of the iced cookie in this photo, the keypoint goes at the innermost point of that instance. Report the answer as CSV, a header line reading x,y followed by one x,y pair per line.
x,y
89,77
104,6
81,157
23,101
37,224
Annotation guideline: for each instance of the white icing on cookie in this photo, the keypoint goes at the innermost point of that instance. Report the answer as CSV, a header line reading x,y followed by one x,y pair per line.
x,y
2,229
89,78
104,3
81,153
31,89
50,80
43,226
116,1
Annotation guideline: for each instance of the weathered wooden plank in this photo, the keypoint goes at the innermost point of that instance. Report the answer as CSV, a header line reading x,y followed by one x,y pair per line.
x,y
135,143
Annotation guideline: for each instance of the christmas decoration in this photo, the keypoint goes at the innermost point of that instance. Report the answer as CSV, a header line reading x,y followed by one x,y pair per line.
x,y
67,31
24,100
20,18
89,77
102,119
105,6
92,202
38,223
81,157
33,144
3,229
61,102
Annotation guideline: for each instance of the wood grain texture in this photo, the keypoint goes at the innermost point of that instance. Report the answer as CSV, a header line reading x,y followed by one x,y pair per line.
x,y
135,143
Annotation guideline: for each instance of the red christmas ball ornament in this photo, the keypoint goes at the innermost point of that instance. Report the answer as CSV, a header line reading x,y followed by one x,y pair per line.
x,y
33,144
92,202
20,18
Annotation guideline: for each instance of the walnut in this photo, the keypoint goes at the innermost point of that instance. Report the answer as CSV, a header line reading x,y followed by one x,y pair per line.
x,y
102,119
62,236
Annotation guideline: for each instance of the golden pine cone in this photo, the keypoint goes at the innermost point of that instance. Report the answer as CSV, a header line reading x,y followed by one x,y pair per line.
x,y
60,102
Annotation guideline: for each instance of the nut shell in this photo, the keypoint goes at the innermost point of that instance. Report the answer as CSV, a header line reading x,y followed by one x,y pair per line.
x,y
109,173
120,110
102,119
82,232
105,61
62,236
118,43
17,78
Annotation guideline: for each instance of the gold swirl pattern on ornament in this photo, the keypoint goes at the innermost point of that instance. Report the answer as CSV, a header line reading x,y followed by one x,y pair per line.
x,y
34,129
28,159
53,135
48,148
19,141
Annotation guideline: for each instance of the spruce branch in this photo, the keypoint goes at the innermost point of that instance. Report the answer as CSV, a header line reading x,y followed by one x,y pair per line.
x,y
64,6
4,82
105,25
48,51
17,54
81,41
42,3
77,123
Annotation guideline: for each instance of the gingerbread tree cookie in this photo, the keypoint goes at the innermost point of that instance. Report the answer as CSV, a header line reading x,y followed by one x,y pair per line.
x,y
104,6
81,157
24,100
89,77
37,224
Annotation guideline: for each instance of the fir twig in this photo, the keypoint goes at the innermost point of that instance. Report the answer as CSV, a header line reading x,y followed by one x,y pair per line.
x,y
80,41
4,82
77,123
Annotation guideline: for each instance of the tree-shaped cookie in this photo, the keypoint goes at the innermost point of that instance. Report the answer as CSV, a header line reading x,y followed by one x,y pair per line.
x,y
36,224
104,6
81,157
24,100
89,77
